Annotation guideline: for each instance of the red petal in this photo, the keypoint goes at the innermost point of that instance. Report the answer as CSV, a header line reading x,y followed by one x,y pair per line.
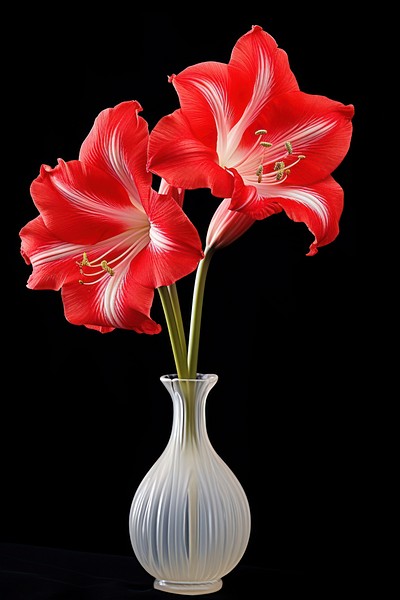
x,y
247,200
317,127
117,144
184,161
177,193
175,247
257,56
214,97
319,207
110,305
79,203
53,261
210,100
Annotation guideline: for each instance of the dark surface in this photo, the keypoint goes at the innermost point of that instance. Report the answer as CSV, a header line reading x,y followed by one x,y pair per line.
x,y
38,573
84,415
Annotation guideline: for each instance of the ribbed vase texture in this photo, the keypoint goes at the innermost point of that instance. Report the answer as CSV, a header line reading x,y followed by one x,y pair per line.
x,y
190,519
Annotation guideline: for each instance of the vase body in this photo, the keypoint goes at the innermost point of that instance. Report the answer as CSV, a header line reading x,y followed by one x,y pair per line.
x,y
189,521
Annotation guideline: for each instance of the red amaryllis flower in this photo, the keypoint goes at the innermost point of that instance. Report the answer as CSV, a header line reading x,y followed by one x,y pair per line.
x,y
104,236
246,131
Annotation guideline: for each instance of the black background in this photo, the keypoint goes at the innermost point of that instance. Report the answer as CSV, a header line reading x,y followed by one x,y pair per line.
x,y
84,415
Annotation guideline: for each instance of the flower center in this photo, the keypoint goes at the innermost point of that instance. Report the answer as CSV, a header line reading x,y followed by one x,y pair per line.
x,y
98,274
275,171
104,265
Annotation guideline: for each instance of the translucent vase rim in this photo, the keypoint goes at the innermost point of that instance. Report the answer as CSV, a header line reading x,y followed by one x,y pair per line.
x,y
200,377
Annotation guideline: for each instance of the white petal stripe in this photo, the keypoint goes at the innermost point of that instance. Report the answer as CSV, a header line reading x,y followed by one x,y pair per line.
x,y
217,100
258,99
117,163
316,203
98,206
55,252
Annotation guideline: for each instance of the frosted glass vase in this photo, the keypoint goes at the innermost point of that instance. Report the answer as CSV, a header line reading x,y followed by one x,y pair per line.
x,y
189,521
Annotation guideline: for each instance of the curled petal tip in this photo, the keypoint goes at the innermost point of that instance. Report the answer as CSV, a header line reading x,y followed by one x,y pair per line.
x,y
45,169
137,105
171,78
152,328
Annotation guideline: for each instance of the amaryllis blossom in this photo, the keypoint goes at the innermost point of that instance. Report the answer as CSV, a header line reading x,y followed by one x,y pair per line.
x,y
103,235
246,131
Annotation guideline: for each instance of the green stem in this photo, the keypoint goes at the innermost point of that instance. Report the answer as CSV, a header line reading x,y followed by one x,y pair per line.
x,y
197,308
173,293
173,330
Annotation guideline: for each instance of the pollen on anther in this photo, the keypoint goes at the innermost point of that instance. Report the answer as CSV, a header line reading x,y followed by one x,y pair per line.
x,y
260,132
289,147
85,261
106,268
279,167
266,144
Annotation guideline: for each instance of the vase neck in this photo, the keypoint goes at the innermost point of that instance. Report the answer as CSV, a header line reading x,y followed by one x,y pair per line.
x,y
189,398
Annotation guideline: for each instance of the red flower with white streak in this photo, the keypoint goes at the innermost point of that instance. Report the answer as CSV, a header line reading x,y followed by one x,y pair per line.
x,y
246,131
103,235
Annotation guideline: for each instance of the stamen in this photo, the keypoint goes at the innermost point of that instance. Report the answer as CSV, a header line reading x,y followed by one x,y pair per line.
x,y
105,266
85,261
279,167
260,169
289,147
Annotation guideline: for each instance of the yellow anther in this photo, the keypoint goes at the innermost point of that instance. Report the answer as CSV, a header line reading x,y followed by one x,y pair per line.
x,y
85,261
259,173
261,132
105,267
81,282
266,144
300,156
279,167
288,147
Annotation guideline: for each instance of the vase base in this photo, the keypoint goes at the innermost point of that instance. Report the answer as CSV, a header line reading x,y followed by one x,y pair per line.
x,y
188,588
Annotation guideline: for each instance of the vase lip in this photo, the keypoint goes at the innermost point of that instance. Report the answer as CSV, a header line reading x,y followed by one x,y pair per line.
x,y
199,377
